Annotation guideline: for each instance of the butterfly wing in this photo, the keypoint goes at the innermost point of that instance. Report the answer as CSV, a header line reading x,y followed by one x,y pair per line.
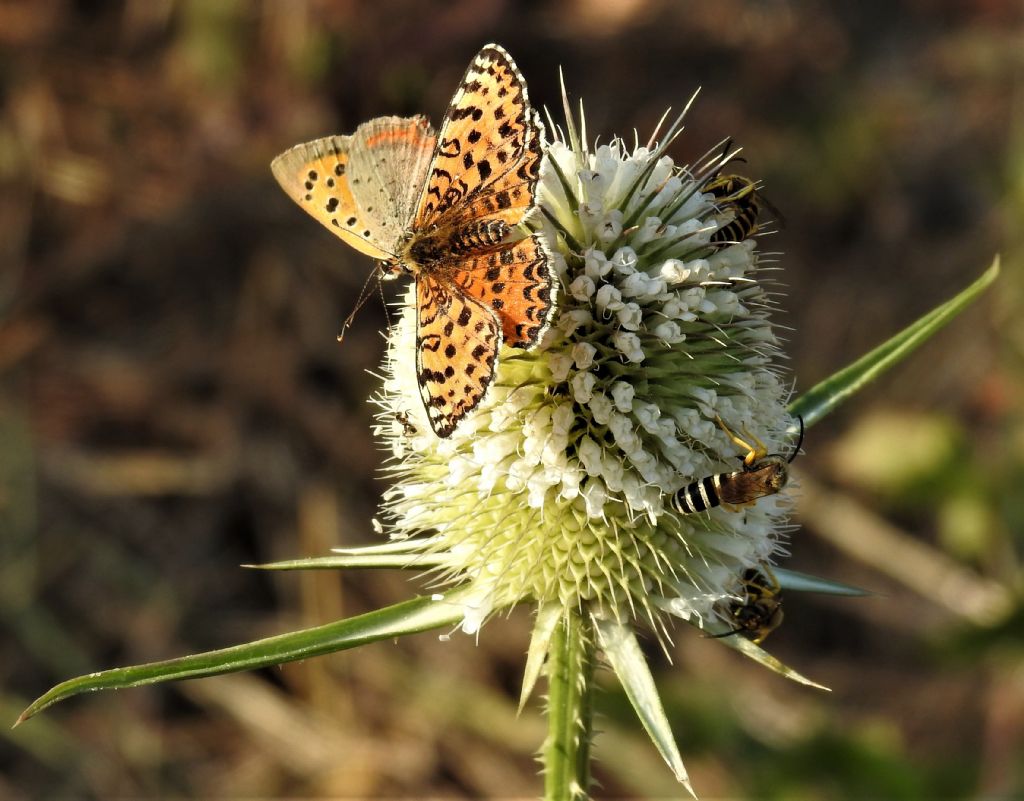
x,y
487,159
485,169
363,187
516,282
457,343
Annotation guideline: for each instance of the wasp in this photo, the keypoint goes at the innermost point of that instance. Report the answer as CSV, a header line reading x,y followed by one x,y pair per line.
x,y
759,612
762,474
740,196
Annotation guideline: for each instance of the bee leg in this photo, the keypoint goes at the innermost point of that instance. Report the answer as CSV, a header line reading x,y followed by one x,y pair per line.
x,y
755,452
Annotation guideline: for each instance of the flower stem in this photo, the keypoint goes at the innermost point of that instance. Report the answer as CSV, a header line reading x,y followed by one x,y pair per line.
x,y
570,672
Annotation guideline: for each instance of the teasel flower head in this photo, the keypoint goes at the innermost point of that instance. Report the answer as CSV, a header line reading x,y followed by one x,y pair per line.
x,y
556,489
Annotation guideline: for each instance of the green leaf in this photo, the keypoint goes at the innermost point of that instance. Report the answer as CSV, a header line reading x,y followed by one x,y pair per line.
x,y
548,617
408,617
353,560
630,665
791,580
407,545
762,657
407,554
827,395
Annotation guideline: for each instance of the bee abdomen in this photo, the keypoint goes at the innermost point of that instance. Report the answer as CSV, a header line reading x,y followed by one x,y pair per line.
x,y
698,496
738,488
742,226
738,195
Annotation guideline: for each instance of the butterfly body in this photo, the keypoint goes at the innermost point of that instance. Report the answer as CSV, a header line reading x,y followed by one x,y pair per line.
x,y
433,251
447,209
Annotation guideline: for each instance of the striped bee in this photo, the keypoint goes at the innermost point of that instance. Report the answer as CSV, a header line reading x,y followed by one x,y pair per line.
x,y
740,196
762,474
759,612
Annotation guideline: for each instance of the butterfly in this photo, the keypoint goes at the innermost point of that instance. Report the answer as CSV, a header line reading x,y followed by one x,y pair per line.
x,y
446,208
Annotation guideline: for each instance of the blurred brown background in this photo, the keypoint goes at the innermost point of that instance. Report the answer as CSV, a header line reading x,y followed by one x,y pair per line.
x,y
173,402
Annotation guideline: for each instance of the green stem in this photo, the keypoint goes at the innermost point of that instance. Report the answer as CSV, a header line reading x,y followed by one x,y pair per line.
x,y
570,672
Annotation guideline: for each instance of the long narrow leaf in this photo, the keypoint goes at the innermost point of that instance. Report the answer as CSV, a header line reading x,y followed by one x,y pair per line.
x,y
762,657
823,398
630,665
407,545
548,617
408,617
339,561
792,580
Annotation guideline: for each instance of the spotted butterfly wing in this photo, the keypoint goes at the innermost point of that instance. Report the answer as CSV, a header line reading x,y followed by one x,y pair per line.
x,y
364,187
484,177
514,281
493,287
445,209
487,159
457,344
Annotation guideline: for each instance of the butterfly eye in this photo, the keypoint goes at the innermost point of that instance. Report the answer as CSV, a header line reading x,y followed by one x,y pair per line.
x,y
389,269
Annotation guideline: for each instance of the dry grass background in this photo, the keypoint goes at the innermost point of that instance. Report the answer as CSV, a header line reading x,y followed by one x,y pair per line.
x,y
173,402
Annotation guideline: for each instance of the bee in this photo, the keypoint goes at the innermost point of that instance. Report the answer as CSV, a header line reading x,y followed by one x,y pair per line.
x,y
762,474
738,195
759,612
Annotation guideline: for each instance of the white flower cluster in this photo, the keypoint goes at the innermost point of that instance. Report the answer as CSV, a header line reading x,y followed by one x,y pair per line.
x,y
557,486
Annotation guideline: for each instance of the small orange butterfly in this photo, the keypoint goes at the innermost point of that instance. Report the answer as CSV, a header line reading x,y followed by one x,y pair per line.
x,y
446,209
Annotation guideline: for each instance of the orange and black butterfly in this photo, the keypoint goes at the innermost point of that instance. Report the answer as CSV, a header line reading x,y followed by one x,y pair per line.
x,y
445,207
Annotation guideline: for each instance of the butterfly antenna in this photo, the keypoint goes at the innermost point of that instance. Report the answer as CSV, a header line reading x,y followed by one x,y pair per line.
x,y
384,302
364,295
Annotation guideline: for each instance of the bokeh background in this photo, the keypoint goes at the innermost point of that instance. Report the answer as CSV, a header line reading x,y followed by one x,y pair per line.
x,y
173,402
